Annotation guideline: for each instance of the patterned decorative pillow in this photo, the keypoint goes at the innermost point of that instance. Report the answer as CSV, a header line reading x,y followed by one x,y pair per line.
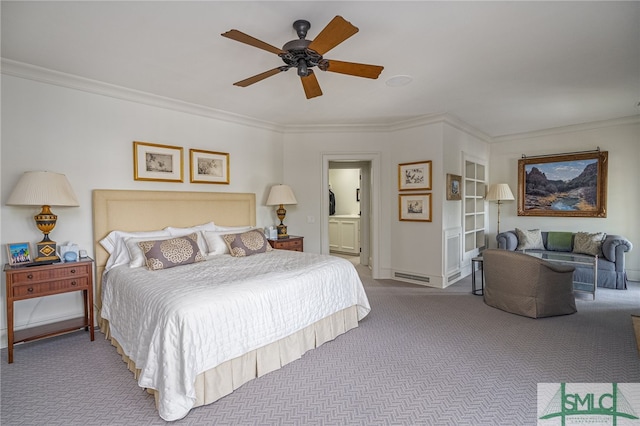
x,y
216,243
588,243
531,239
247,243
164,254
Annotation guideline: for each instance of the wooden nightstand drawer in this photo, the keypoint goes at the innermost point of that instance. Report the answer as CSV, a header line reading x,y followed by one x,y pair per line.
x,y
58,286
292,243
35,275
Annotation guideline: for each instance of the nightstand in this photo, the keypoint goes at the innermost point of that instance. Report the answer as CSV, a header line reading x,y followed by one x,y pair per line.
x,y
26,282
293,243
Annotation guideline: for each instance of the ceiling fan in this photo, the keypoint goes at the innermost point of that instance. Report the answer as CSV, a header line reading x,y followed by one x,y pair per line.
x,y
305,54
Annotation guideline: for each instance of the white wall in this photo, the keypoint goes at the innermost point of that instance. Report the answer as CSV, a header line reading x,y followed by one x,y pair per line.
x,y
344,183
621,139
303,171
90,138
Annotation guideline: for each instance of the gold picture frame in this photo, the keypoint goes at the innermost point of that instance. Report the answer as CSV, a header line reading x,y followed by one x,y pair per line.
x,y
414,176
158,163
209,166
454,187
565,185
415,207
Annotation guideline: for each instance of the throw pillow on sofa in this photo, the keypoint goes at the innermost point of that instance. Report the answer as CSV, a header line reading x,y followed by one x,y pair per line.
x,y
531,239
559,241
588,243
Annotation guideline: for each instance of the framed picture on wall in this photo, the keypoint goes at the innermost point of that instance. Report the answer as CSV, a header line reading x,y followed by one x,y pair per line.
x,y
415,207
566,185
160,163
414,176
454,187
209,166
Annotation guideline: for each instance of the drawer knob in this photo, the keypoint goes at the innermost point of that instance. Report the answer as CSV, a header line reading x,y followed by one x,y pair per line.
x,y
73,283
30,290
73,271
30,276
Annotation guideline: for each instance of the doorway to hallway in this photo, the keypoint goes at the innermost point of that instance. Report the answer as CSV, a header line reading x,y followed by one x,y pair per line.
x,y
361,208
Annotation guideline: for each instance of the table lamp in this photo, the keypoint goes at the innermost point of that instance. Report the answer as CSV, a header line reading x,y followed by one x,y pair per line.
x,y
44,189
499,192
281,195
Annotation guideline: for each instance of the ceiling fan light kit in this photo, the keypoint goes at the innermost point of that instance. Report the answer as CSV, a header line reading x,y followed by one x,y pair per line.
x,y
304,54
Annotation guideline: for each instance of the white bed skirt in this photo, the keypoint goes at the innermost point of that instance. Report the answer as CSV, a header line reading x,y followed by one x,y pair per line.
x,y
225,378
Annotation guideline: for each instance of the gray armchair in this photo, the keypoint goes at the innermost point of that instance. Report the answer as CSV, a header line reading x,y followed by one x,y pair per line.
x,y
526,285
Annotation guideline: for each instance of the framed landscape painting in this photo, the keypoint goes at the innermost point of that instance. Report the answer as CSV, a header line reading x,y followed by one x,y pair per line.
x,y
568,185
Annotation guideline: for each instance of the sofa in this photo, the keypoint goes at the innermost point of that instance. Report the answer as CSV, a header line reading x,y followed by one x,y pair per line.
x,y
610,249
526,285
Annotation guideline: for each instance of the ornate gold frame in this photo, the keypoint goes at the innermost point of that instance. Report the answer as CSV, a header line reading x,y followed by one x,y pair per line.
x,y
145,169
219,159
451,193
423,171
537,194
425,213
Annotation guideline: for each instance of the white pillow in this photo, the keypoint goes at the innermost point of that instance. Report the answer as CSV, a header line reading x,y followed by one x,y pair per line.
x,y
110,241
216,243
181,232
114,243
233,229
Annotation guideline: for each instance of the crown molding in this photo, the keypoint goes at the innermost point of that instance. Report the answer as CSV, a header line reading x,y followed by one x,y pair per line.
x,y
70,81
634,119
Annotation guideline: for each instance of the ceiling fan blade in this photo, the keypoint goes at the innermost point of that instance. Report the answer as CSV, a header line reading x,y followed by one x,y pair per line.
x,y
336,31
251,41
258,77
352,68
311,86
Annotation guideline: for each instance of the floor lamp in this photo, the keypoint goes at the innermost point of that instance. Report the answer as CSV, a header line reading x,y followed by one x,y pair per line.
x,y
499,192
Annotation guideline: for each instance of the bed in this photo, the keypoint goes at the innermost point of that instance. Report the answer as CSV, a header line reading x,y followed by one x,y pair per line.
x,y
194,333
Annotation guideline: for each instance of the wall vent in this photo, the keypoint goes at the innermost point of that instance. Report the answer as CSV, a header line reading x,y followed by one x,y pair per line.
x,y
411,277
454,277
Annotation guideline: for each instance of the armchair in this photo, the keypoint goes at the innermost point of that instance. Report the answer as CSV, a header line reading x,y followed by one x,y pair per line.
x,y
526,285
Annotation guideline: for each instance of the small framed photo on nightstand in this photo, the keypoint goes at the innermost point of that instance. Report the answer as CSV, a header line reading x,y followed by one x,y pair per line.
x,y
18,253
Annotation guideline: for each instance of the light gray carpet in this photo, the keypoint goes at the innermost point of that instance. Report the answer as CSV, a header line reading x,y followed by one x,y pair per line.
x,y
422,357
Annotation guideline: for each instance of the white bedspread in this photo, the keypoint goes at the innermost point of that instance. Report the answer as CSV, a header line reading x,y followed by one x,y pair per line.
x,y
177,323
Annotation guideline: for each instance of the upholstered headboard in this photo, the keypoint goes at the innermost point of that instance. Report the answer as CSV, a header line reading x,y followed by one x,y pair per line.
x,y
127,210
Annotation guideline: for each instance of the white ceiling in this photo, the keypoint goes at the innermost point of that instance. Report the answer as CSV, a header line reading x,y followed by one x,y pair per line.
x,y
501,67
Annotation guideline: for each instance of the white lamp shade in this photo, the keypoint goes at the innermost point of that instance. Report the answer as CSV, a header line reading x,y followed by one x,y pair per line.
x,y
281,194
499,192
43,189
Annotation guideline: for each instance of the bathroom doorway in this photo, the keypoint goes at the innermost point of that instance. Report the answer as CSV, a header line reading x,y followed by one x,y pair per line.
x,y
369,164
350,210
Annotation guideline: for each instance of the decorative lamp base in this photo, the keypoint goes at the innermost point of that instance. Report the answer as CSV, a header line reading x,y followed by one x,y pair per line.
x,y
46,251
282,231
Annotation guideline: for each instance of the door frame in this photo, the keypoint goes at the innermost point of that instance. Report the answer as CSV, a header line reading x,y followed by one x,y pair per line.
x,y
373,158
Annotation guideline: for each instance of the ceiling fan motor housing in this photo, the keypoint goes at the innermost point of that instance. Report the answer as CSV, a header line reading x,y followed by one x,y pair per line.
x,y
299,56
